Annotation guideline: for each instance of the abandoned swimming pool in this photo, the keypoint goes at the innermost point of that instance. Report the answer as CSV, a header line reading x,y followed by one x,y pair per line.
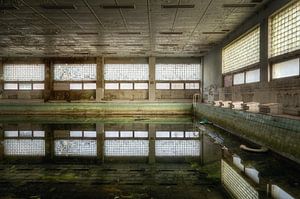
x,y
135,157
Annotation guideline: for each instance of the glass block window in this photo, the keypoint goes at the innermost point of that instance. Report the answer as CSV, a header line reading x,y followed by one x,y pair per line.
x,y
24,147
75,147
285,30
242,52
175,72
238,78
126,72
24,72
286,69
235,183
75,72
253,76
177,148
123,148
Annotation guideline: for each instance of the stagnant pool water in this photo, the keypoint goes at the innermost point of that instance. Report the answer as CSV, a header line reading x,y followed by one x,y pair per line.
x,y
170,157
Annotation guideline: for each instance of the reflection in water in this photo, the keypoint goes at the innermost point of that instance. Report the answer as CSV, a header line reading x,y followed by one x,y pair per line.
x,y
253,174
279,193
236,184
87,134
24,147
75,147
123,148
179,155
177,148
24,143
126,134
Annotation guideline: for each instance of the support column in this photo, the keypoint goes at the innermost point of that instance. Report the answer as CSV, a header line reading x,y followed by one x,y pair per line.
x,y
264,63
1,142
100,79
201,84
49,143
51,140
151,130
152,61
48,80
201,160
100,141
1,79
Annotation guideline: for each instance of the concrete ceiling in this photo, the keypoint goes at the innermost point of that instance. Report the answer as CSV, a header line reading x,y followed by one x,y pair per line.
x,y
92,29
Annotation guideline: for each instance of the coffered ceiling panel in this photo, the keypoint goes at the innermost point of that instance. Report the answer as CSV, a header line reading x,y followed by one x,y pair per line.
x,y
117,27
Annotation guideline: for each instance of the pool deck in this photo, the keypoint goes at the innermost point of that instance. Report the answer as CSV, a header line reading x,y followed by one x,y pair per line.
x,y
280,134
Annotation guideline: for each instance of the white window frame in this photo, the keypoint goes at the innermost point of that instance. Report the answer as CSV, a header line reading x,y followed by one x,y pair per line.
x,y
163,86
278,64
242,74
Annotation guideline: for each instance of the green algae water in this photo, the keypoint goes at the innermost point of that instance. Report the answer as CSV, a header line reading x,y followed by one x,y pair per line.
x,y
134,157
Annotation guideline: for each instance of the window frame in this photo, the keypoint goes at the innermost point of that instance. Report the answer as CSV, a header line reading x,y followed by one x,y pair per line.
x,y
282,57
243,70
129,81
272,62
69,82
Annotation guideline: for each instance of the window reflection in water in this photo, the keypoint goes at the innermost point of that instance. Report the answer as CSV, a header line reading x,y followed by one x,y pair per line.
x,y
75,147
24,143
125,148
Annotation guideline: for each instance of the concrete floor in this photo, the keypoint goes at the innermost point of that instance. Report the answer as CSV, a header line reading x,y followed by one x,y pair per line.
x,y
107,181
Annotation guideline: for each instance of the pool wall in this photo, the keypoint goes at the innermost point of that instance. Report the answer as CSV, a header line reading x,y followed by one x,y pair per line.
x,y
281,135
102,109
